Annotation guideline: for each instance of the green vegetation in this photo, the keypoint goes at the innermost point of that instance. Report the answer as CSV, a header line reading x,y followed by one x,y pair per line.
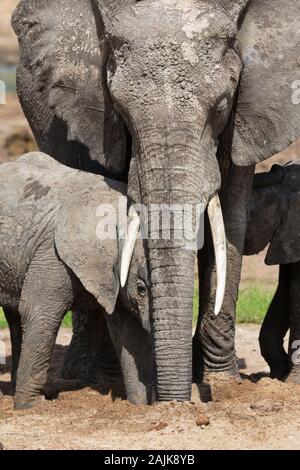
x,y
252,305
67,320
2,319
8,76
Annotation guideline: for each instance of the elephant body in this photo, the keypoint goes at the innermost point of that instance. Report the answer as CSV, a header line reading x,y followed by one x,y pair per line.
x,y
53,259
275,219
181,98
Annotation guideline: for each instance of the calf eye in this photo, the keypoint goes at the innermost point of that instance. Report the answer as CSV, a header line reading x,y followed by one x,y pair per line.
x,y
142,289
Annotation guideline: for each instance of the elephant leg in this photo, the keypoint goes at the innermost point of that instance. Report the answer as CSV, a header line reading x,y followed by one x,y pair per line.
x,y
14,322
134,350
91,356
47,295
275,327
78,359
294,316
214,339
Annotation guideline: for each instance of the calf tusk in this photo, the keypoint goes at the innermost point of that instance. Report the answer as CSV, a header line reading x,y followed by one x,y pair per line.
x,y
219,240
127,253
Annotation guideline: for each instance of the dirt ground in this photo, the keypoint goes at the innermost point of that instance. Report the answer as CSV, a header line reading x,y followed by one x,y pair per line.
x,y
257,413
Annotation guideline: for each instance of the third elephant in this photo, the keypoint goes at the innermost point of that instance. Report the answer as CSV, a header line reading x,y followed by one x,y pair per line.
x,y
275,219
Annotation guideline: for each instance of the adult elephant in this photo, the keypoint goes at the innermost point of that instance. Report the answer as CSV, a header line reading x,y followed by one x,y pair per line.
x,y
194,93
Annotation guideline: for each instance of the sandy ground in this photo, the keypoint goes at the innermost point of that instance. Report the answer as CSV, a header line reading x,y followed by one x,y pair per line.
x,y
8,40
257,413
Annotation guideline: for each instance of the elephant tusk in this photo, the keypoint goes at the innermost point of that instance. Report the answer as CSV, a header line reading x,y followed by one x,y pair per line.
x,y
219,240
127,253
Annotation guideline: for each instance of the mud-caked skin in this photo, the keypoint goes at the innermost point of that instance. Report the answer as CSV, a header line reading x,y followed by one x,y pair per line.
x,y
184,97
275,219
52,259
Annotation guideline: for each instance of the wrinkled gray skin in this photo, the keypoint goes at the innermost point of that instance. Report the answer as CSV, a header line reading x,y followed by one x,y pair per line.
x,y
275,219
187,95
51,260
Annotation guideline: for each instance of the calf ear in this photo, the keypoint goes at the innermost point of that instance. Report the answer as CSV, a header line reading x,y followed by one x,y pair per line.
x,y
93,260
268,104
285,245
62,70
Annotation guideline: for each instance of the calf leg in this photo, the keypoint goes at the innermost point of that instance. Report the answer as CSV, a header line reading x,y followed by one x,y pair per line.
x,y
46,296
78,359
294,311
91,356
14,323
275,327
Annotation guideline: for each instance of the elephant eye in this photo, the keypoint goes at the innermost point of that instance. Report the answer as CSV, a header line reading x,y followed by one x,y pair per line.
x,y
141,288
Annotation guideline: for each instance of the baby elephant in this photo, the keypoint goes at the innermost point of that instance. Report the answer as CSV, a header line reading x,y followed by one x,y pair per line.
x,y
275,218
55,256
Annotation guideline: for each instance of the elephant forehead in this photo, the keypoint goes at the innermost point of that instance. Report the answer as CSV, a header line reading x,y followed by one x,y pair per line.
x,y
186,20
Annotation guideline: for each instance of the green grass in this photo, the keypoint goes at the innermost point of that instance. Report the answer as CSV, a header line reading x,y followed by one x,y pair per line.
x,y
253,303
2,319
8,76
67,322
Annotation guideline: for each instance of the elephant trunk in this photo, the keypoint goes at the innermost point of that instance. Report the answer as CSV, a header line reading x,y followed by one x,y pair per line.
x,y
173,174
172,280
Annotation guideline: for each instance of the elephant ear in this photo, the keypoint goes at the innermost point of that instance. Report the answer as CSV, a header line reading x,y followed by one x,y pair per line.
x,y
268,105
92,260
60,52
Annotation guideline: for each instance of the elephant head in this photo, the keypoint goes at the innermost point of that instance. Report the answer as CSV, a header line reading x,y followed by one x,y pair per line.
x,y
167,74
95,260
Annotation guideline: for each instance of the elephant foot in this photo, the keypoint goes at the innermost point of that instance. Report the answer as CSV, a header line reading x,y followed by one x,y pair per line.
x,y
216,385
76,367
100,378
211,376
279,371
27,403
141,394
13,385
95,365
214,378
294,376
209,381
